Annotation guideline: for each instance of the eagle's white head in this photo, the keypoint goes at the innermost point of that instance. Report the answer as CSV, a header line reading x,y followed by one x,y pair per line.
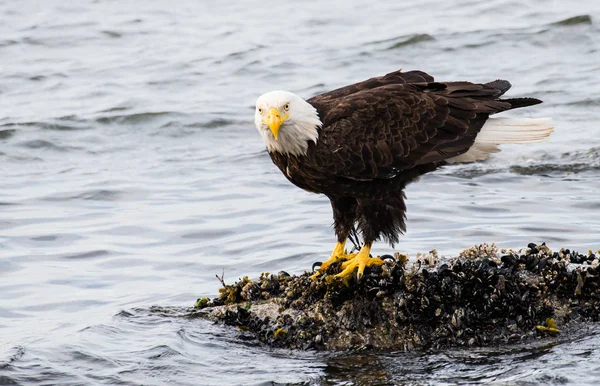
x,y
286,122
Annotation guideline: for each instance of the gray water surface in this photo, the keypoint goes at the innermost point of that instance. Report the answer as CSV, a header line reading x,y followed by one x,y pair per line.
x,y
131,173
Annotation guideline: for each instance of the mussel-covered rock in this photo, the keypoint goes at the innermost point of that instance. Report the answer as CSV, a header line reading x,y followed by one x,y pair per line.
x,y
481,297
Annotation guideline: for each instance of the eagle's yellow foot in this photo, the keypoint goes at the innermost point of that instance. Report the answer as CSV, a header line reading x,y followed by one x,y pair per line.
x,y
360,261
339,253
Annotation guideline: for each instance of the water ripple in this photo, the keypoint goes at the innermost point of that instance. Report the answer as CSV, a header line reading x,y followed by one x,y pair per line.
x,y
136,119
132,173
48,145
411,40
575,20
86,255
7,133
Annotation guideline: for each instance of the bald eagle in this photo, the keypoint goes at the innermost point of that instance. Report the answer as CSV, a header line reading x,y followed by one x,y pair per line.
x,y
362,144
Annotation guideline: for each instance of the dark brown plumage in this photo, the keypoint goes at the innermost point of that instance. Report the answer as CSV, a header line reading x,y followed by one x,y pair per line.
x,y
379,135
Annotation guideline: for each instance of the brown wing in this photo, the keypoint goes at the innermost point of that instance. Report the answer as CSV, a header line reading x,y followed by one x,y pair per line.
x,y
396,77
377,132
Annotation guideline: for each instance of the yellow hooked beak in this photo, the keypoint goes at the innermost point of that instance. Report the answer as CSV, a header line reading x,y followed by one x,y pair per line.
x,y
275,120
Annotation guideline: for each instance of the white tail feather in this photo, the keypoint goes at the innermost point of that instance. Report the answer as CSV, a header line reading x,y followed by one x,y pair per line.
x,y
497,131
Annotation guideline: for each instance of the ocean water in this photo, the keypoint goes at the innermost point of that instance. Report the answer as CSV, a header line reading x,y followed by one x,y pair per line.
x,y
131,173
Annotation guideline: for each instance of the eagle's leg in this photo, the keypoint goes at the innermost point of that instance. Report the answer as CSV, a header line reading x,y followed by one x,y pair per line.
x,y
360,261
339,253
344,214
376,218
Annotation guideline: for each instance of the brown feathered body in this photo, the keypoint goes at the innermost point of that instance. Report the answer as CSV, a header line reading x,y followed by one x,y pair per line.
x,y
379,135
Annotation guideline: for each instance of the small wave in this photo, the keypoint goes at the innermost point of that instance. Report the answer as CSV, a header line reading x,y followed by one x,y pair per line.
x,y
99,195
80,355
32,41
42,144
591,155
146,315
177,129
112,34
8,42
45,238
244,157
470,172
211,234
115,109
216,123
86,255
92,195
23,157
483,43
7,133
160,351
62,127
73,125
542,169
575,20
242,54
19,352
135,118
411,40
316,86
566,163
588,102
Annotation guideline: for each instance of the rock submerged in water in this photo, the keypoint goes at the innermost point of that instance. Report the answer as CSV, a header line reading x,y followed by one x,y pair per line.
x,y
480,298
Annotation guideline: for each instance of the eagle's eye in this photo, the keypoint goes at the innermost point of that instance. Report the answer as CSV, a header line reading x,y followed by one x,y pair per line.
x,y
286,107
260,110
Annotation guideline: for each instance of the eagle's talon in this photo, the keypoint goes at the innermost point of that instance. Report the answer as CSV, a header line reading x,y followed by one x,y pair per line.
x,y
361,261
323,266
387,257
316,264
339,253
